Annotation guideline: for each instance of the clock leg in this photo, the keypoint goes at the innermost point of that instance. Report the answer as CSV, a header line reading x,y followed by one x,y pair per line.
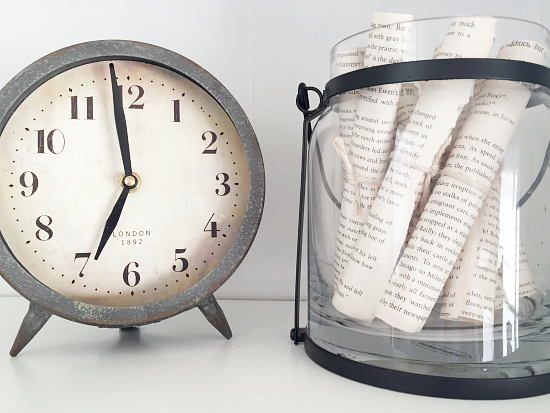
x,y
213,312
32,323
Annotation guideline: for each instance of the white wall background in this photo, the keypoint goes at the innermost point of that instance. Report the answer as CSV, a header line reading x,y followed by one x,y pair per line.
x,y
261,51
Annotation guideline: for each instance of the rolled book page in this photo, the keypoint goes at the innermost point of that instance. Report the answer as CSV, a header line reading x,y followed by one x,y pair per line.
x,y
359,289
499,297
526,282
461,119
366,157
469,293
347,61
441,158
453,207
407,101
519,280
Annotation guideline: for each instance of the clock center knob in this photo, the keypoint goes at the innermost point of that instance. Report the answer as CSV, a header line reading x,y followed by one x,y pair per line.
x,y
133,182
130,181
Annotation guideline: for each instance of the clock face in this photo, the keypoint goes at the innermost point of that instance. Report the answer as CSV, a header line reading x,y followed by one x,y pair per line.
x,y
61,174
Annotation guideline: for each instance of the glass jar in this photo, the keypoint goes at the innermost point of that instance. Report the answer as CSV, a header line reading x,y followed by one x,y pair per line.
x,y
427,209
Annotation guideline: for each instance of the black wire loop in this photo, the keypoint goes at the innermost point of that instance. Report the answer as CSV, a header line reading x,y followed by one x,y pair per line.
x,y
302,100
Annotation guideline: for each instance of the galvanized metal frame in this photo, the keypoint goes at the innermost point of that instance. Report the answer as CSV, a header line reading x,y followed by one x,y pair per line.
x,y
19,88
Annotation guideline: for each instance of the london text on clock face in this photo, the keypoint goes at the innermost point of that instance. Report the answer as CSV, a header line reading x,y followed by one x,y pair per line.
x,y
61,173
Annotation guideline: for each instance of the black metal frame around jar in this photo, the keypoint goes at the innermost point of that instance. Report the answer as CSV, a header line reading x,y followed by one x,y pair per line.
x,y
421,70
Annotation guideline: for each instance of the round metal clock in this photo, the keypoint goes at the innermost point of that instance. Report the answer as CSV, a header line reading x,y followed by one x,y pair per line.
x,y
132,186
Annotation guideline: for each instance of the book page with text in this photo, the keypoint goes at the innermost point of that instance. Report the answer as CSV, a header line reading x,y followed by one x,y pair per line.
x,y
359,289
347,61
457,198
365,157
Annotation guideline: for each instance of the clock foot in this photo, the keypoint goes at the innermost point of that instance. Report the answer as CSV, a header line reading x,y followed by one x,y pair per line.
x,y
32,323
129,329
213,312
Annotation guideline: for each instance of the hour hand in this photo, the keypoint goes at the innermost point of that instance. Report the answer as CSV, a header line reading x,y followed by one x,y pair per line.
x,y
112,220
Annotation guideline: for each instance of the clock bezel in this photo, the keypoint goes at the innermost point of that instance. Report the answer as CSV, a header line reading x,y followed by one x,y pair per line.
x,y
37,73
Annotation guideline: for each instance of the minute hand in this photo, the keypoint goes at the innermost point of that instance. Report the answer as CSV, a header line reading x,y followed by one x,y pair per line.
x,y
120,122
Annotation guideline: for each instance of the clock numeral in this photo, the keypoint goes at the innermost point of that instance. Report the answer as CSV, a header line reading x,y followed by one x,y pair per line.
x,y
89,107
213,227
226,187
44,228
184,262
126,273
140,92
33,185
176,110
213,138
82,255
49,143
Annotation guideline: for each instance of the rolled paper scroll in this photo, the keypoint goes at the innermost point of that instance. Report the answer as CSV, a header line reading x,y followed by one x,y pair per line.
x,y
366,155
526,284
410,93
359,289
441,158
346,61
454,205
469,293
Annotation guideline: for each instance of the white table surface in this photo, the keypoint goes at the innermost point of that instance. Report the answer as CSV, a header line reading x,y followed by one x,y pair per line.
x,y
183,365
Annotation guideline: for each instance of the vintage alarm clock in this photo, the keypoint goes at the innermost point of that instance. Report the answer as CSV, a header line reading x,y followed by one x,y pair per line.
x,y
132,186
